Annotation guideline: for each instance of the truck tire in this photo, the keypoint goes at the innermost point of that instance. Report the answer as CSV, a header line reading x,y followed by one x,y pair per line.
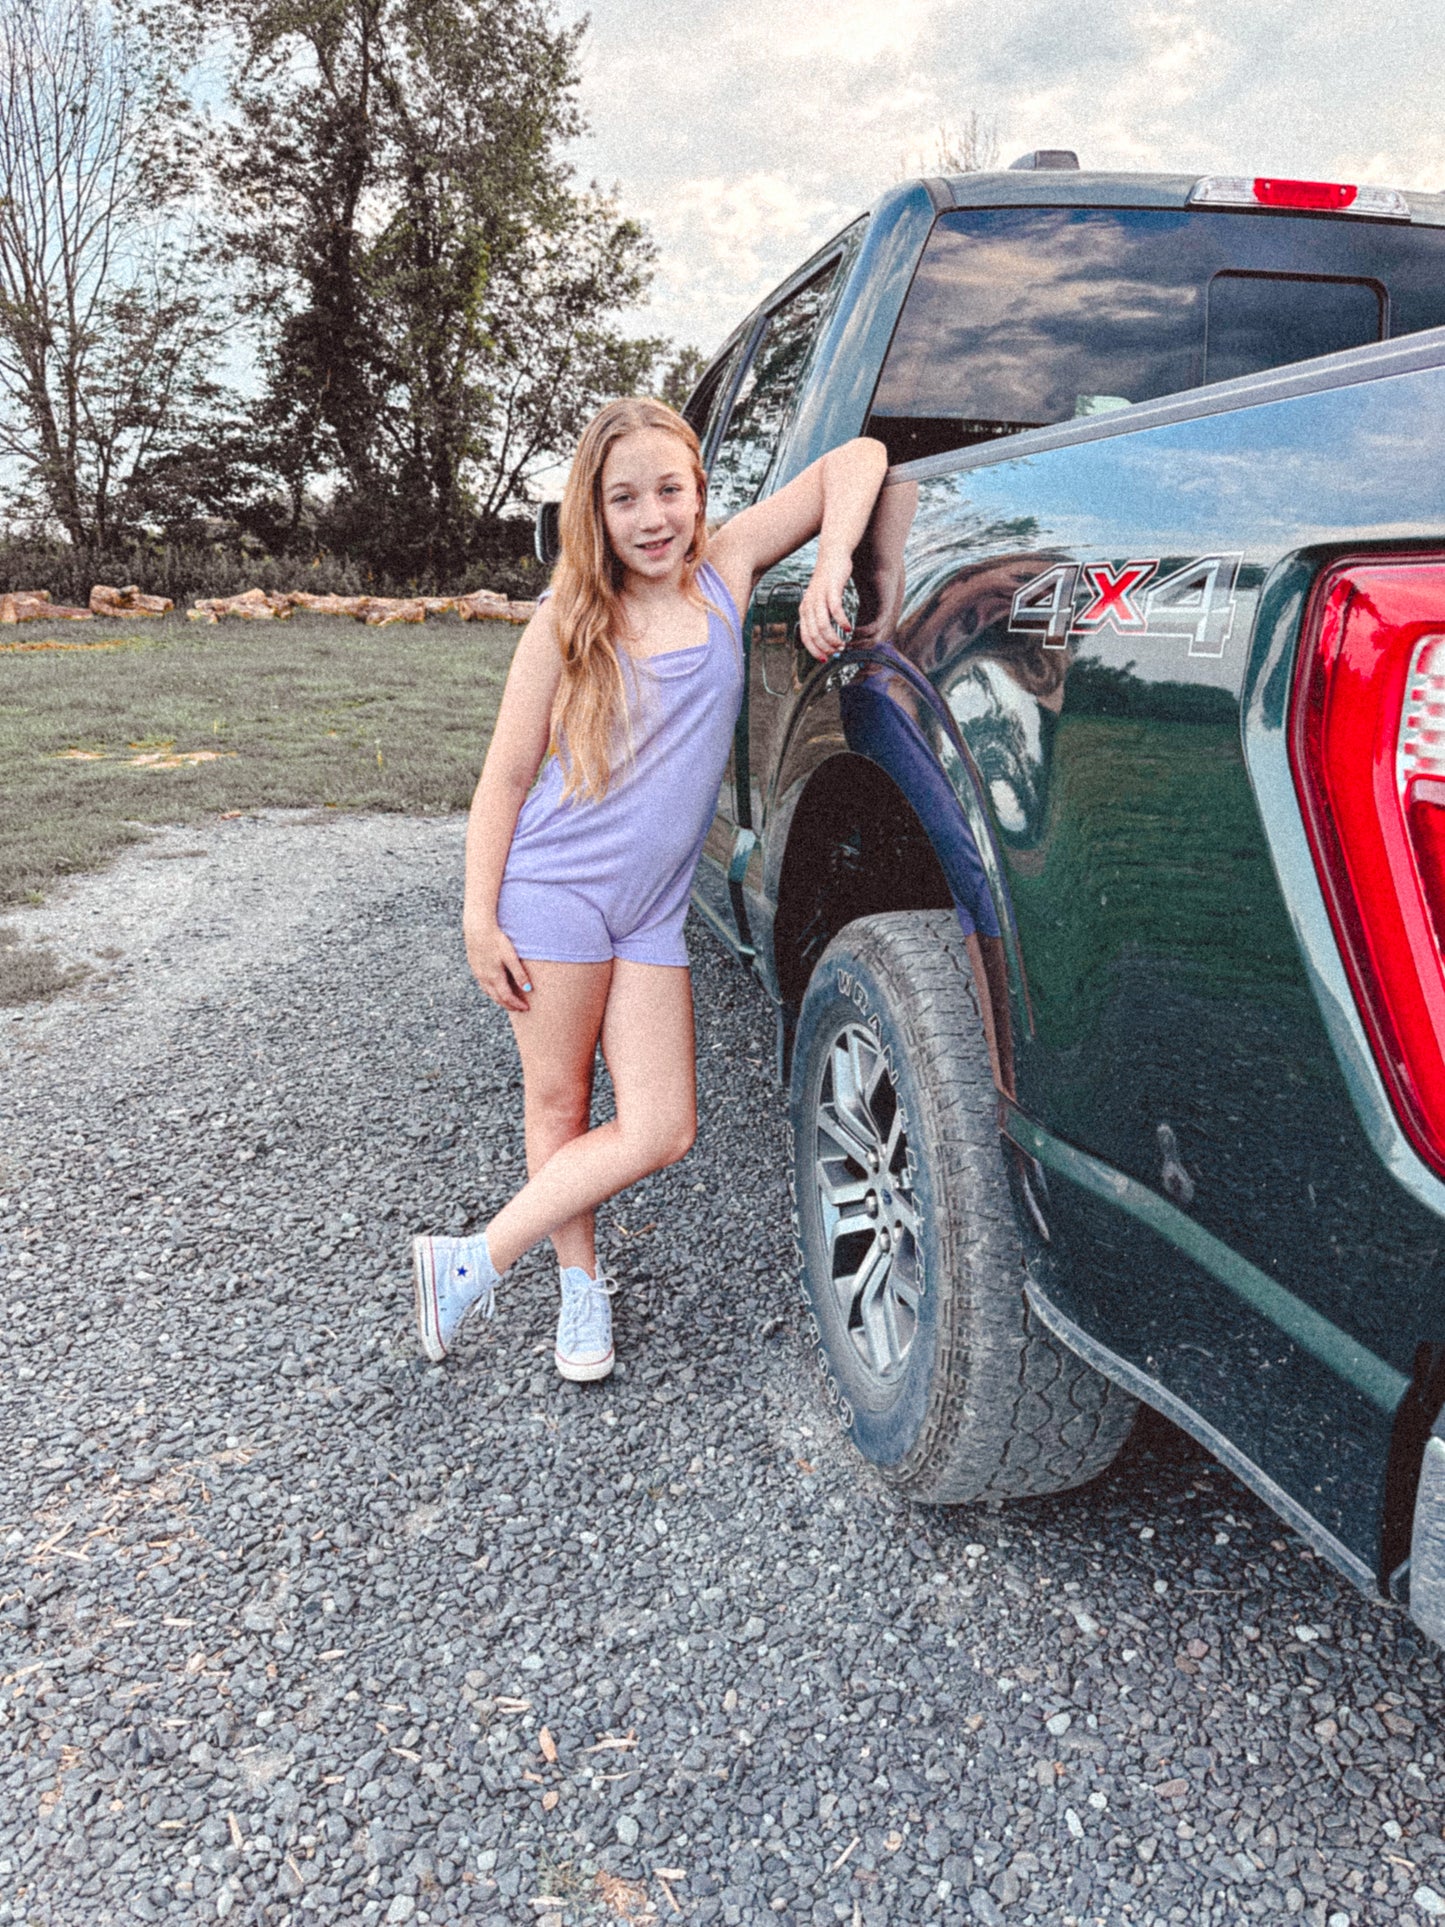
x,y
911,1253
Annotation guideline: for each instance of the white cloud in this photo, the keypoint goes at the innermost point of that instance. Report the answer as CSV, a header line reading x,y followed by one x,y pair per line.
x,y
855,32
725,240
737,220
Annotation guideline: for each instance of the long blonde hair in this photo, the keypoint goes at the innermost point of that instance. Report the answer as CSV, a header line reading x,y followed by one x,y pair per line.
x,y
589,716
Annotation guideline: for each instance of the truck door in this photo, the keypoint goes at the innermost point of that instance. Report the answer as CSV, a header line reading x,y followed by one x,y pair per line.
x,y
743,459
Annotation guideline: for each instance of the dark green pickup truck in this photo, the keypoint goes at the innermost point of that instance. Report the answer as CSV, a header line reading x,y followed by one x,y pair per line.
x,y
1100,884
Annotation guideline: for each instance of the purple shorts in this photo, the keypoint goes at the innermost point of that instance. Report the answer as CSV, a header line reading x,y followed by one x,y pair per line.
x,y
588,880
556,923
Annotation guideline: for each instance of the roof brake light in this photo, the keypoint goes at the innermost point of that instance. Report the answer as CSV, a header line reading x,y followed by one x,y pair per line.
x,y
1316,197
1328,196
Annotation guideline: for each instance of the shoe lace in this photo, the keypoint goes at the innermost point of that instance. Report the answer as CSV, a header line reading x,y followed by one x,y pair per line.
x,y
586,1305
481,1300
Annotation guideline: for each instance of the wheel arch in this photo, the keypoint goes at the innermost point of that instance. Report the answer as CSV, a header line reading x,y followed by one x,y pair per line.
x,y
853,844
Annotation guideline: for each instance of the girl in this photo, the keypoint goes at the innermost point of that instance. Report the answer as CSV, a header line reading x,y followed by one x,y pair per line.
x,y
624,692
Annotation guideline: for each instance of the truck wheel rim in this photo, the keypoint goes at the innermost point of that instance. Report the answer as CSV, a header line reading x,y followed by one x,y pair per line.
x,y
867,1205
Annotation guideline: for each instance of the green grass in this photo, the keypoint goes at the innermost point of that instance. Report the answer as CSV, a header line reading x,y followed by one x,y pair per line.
x,y
31,972
317,713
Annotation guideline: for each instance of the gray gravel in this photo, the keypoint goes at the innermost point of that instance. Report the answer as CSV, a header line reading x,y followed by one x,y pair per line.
x,y
284,1613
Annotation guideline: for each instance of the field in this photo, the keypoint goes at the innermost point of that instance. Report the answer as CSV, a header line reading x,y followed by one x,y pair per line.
x,y
105,730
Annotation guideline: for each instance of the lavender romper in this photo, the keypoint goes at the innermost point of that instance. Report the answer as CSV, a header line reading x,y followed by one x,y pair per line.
x,y
588,881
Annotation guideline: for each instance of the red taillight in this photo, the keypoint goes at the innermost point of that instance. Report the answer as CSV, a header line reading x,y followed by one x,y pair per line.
x,y
1315,194
1368,753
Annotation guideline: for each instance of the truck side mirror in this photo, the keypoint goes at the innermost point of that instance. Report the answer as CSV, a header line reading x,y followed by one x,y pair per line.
x,y
548,539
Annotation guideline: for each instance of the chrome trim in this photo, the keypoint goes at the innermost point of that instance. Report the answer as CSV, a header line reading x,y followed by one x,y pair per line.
x,y
743,846
1427,1544
1354,1364
718,926
546,539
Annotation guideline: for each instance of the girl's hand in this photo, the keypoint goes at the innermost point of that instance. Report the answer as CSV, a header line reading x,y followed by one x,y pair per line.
x,y
821,616
496,965
878,566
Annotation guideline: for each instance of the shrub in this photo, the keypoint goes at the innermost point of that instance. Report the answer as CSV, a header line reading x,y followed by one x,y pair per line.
x,y
185,571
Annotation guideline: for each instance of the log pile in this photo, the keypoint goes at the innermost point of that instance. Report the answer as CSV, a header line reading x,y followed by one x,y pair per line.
x,y
265,605
376,611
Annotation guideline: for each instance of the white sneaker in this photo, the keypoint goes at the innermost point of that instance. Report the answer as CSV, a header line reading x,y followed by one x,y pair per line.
x,y
584,1326
454,1277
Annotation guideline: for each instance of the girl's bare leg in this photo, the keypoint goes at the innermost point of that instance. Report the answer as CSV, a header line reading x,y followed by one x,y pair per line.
x,y
557,1042
647,1040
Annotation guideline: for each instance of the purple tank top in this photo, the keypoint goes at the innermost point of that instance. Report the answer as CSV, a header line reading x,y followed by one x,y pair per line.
x,y
633,854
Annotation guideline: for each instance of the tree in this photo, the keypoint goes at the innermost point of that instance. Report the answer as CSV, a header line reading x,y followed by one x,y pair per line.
x,y
679,375
438,296
553,358
107,336
969,146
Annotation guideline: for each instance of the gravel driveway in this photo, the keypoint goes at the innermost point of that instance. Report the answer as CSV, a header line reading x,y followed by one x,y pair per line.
x,y
295,1628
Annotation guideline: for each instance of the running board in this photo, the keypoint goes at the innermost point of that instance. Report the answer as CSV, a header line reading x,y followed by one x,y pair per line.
x,y
1150,1392
712,900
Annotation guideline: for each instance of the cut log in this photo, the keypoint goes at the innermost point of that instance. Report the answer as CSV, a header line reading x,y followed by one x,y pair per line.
x,y
105,601
326,605
34,605
377,611
253,605
29,605
482,605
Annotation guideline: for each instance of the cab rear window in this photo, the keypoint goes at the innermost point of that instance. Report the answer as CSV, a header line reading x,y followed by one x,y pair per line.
x,y
1022,316
1258,321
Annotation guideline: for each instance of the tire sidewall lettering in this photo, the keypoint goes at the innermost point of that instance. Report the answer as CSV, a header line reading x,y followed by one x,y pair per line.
x,y
853,991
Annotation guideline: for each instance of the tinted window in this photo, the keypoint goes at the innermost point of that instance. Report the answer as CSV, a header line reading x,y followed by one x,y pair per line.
x,y
1021,316
765,398
1257,321
709,398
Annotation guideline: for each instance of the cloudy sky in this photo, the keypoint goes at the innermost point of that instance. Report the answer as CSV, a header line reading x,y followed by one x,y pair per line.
x,y
744,132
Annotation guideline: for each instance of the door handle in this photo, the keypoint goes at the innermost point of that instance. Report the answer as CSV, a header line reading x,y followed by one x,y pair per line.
x,y
777,644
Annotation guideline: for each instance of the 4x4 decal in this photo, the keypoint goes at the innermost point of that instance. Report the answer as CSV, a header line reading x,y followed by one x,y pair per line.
x,y
1131,598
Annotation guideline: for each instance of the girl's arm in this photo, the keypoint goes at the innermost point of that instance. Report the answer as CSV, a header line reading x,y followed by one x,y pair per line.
x,y
832,499
519,742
